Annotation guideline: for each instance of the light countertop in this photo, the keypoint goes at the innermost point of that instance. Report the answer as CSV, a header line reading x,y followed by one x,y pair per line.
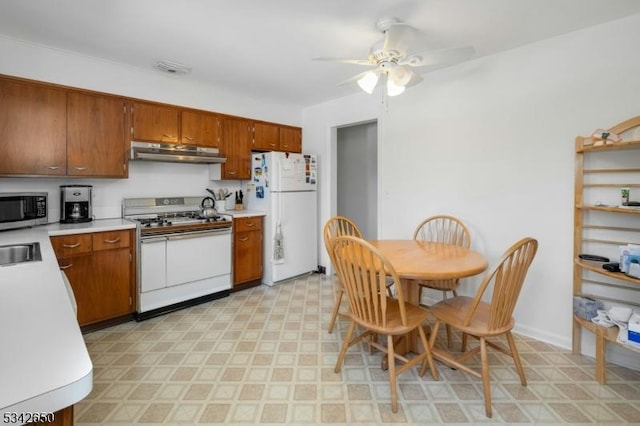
x,y
44,363
242,213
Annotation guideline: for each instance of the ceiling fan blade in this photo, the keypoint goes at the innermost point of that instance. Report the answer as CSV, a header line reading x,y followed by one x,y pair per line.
x,y
439,57
347,61
398,37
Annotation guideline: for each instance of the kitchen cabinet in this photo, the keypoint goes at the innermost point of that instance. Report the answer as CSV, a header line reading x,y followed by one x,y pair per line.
x,y
101,270
247,251
274,137
236,148
32,129
602,225
167,123
51,131
96,137
155,122
290,139
266,136
62,417
200,128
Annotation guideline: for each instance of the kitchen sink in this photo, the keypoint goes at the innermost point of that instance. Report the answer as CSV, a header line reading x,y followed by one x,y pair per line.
x,y
19,253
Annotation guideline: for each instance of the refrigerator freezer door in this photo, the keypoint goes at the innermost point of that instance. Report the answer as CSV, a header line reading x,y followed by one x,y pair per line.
x,y
296,212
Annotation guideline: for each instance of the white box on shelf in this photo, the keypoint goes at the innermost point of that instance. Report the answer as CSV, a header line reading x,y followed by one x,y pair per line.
x,y
634,328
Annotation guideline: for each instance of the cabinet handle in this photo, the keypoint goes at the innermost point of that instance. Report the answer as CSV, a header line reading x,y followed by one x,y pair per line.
x,y
80,168
191,138
249,224
231,172
117,240
53,167
168,136
62,268
71,245
243,239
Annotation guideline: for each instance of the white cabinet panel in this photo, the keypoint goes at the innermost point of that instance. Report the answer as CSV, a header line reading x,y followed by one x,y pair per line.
x,y
153,272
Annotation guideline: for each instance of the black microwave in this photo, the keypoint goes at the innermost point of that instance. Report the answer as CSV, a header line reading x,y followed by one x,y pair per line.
x,y
22,209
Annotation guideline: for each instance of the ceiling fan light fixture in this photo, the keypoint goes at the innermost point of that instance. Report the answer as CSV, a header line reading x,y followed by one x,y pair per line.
x,y
394,89
368,81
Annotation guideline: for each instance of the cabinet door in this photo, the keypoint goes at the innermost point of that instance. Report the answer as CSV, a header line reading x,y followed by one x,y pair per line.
x,y
199,128
101,284
266,137
79,272
32,129
95,136
247,251
236,147
156,123
291,139
111,289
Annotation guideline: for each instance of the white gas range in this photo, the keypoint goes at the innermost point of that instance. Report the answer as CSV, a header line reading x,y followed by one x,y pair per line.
x,y
183,259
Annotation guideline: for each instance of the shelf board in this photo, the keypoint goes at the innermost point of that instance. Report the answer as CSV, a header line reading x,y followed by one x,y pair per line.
x,y
611,209
610,334
597,267
610,147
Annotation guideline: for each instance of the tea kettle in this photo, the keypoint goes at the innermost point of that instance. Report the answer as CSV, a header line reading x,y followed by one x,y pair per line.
x,y
207,208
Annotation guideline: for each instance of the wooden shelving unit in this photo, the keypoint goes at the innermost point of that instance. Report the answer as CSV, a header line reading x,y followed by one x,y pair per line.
x,y
601,227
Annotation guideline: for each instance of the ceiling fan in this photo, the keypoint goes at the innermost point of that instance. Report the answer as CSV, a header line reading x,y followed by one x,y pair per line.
x,y
394,66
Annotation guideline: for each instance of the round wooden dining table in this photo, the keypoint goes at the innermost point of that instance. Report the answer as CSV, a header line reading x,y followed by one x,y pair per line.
x,y
425,261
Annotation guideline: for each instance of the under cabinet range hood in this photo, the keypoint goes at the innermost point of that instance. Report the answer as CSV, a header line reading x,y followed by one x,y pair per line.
x,y
174,153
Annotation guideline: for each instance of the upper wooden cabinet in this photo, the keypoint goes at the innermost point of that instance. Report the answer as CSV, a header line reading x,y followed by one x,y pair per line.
x,y
236,148
32,129
200,128
266,136
49,130
291,139
156,123
274,137
96,137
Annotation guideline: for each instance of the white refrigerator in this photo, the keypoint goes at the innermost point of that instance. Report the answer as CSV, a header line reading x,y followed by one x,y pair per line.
x,y
284,188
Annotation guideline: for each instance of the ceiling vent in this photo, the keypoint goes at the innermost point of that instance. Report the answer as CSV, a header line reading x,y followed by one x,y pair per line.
x,y
172,67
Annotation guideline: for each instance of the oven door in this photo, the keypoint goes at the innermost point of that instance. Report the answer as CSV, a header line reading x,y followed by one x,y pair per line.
x,y
177,268
193,257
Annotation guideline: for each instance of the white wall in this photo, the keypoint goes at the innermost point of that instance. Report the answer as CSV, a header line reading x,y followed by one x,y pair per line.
x,y
492,142
37,62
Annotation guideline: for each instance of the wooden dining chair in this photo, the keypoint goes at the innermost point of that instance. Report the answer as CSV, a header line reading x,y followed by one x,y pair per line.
x,y
442,229
335,227
485,320
363,270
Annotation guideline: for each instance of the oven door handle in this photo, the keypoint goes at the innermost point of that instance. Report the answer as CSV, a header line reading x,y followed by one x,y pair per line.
x,y
197,234
146,240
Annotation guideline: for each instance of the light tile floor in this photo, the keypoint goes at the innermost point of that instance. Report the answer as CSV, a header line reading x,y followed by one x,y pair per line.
x,y
263,356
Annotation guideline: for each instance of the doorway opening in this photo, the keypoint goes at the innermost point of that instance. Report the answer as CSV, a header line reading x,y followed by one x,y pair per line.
x,y
357,176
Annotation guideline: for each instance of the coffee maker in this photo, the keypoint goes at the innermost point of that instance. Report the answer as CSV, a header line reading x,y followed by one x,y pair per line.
x,y
75,203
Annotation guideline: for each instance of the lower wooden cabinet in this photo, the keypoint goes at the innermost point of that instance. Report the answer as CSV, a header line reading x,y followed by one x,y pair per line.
x,y
101,269
247,251
62,417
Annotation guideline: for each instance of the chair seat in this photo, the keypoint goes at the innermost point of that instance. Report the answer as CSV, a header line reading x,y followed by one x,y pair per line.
x,y
452,311
415,317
